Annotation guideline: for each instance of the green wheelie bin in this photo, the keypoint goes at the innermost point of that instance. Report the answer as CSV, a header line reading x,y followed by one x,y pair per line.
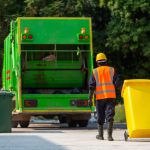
x,y
5,111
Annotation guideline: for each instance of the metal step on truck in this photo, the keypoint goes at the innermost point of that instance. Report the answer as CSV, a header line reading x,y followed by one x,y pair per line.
x,y
47,63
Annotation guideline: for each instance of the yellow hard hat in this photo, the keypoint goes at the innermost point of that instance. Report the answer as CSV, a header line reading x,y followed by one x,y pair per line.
x,y
101,56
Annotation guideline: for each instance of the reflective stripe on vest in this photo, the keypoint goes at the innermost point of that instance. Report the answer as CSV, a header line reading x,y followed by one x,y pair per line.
x,y
104,82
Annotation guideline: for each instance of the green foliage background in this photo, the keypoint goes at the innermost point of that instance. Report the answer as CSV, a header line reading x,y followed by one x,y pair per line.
x,y
121,28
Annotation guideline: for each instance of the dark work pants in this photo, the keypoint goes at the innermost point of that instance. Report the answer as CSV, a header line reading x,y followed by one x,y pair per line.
x,y
105,110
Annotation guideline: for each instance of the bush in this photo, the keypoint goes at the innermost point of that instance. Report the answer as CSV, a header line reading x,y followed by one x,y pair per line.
x,y
119,114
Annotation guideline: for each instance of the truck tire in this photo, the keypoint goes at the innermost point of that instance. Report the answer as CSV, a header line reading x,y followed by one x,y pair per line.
x,y
83,123
62,119
72,123
14,124
24,124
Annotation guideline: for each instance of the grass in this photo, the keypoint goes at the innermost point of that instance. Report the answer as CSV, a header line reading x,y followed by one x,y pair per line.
x,y
120,114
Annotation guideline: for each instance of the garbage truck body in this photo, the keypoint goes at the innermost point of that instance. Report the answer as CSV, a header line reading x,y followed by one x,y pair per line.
x,y
47,63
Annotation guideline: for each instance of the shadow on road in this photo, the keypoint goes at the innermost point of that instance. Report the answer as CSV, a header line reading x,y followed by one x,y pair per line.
x,y
27,142
58,128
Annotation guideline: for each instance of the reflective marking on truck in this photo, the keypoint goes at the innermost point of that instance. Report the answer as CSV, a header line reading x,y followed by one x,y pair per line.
x,y
8,78
8,71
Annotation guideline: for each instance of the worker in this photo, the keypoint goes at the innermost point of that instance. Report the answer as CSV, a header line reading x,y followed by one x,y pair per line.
x,y
102,84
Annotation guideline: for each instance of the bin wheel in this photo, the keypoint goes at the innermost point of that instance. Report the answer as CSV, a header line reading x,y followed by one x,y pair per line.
x,y
126,136
14,124
24,124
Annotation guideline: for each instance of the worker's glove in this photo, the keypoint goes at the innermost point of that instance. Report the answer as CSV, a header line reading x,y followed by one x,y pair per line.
x,y
90,102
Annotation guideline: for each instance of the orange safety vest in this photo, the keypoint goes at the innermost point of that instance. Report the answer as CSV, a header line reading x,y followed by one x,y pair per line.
x,y
104,82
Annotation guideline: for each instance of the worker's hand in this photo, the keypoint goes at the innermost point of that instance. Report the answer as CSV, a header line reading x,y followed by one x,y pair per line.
x,y
90,102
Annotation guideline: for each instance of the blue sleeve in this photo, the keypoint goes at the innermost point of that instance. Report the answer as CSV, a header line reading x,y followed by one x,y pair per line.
x,y
116,80
92,83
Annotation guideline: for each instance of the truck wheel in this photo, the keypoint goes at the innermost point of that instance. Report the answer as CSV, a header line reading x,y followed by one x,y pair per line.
x,y
83,123
14,124
62,119
72,123
24,124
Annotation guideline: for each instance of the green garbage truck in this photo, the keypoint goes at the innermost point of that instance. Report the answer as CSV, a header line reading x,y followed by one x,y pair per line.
x,y
47,63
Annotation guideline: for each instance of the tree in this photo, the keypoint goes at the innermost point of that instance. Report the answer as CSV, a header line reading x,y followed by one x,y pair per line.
x,y
128,36
10,9
121,28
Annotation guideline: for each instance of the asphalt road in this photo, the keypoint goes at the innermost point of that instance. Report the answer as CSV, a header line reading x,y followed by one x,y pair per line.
x,y
56,137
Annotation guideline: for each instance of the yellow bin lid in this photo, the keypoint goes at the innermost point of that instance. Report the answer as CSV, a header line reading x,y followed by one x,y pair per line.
x,y
134,82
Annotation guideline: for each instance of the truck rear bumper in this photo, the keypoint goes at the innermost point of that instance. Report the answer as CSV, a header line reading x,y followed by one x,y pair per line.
x,y
39,112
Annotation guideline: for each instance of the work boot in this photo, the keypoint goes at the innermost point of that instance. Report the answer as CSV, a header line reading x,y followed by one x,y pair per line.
x,y
109,130
100,132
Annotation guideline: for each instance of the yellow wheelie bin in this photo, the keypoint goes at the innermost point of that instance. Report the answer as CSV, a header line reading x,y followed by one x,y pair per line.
x,y
136,95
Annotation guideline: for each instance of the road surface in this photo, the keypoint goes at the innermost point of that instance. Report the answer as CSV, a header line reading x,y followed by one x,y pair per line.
x,y
56,137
